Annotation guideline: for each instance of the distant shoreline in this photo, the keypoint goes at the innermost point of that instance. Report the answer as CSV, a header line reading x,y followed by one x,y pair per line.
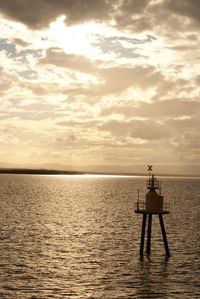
x,y
38,171
29,171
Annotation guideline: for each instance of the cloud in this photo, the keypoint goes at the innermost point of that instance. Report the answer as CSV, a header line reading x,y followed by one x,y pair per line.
x,y
133,15
164,109
57,57
122,47
38,14
136,129
20,42
110,79
134,7
8,139
7,81
158,16
125,89
83,124
188,8
120,78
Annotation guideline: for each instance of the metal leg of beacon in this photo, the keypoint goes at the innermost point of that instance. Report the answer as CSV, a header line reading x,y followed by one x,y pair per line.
x,y
143,235
148,248
164,235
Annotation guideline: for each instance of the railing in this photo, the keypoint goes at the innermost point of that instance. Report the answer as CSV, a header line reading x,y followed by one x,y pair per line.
x,y
166,207
152,183
141,206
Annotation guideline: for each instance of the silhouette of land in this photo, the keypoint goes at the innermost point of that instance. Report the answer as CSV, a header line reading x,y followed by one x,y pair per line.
x,y
57,172
38,171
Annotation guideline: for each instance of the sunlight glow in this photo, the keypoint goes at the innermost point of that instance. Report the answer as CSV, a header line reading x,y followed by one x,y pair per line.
x,y
70,38
106,176
87,175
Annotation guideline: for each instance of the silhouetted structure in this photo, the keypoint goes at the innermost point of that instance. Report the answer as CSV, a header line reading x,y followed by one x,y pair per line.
x,y
152,206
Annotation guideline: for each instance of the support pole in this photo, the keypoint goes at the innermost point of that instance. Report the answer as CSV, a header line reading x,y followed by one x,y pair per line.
x,y
143,234
148,248
164,235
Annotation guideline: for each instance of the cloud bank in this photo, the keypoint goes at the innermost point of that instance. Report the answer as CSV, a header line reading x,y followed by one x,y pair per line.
x,y
100,84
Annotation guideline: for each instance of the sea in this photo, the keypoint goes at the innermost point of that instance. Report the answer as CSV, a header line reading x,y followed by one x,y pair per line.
x,y
78,236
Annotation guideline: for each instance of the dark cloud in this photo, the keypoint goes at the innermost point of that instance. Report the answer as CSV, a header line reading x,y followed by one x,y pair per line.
x,y
170,108
188,8
120,130
167,108
118,79
38,14
83,124
136,129
131,15
56,56
197,79
183,48
163,16
20,42
114,79
183,125
175,121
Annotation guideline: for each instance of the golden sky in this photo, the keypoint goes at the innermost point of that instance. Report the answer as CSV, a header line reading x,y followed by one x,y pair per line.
x,y
105,85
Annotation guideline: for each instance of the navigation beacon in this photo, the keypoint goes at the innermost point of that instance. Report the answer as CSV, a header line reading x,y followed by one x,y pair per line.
x,y
154,205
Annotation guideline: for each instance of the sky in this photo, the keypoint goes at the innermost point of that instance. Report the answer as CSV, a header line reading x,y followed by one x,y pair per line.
x,y
104,85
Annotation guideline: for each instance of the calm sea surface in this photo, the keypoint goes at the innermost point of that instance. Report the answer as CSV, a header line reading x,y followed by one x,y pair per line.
x,y
78,237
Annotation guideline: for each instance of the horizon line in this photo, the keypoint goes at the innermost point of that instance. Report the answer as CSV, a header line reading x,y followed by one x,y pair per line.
x,y
13,170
